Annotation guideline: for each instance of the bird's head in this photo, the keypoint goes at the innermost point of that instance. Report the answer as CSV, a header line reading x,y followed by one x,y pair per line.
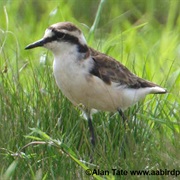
x,y
61,37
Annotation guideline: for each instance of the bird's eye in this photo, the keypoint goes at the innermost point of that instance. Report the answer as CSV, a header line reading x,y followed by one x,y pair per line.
x,y
60,35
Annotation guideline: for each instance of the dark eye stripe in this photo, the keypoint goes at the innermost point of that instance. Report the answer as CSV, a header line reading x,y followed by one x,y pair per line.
x,y
59,36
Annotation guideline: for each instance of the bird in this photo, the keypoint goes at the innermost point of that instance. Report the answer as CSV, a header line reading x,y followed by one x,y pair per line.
x,y
90,79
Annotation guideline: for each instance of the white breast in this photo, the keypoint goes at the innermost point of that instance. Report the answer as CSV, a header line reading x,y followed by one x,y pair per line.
x,y
70,75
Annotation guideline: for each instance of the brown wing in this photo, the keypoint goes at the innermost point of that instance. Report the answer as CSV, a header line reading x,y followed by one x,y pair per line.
x,y
110,70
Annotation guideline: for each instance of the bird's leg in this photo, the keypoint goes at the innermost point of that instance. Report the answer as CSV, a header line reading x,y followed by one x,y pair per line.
x,y
124,142
92,138
123,117
91,129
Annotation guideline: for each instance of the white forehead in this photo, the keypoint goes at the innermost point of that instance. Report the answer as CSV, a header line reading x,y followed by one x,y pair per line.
x,y
48,33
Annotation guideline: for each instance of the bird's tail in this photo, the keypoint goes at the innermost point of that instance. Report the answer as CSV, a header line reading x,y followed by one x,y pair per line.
x,y
158,90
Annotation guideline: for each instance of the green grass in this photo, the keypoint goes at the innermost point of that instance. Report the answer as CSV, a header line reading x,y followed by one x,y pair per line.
x,y
143,35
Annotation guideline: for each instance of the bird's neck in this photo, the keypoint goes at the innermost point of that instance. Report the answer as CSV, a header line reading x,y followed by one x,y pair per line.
x,y
72,59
